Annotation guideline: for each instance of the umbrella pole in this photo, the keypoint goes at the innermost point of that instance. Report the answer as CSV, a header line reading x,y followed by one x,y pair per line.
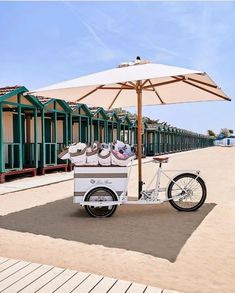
x,y
139,136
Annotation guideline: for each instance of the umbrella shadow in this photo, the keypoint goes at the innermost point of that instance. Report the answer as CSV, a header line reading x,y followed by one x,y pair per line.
x,y
157,230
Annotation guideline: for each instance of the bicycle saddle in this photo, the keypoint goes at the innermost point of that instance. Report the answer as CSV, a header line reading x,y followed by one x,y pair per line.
x,y
161,159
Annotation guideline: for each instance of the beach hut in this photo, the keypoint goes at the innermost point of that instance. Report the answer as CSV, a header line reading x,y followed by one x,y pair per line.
x,y
144,136
151,138
221,140
161,137
170,139
167,139
54,133
134,126
99,120
125,128
177,139
133,133
80,123
113,126
174,138
185,139
18,132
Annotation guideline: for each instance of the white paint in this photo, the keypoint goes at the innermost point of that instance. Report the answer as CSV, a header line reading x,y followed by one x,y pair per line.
x,y
227,141
60,131
7,126
75,132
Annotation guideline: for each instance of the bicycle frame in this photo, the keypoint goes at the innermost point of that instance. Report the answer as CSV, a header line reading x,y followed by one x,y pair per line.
x,y
153,195
150,196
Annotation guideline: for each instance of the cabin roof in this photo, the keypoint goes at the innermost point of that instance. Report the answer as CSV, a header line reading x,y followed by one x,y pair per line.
x,y
8,89
74,106
43,100
111,114
97,110
93,109
124,117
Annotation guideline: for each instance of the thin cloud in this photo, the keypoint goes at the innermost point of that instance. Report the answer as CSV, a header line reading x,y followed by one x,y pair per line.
x,y
103,52
93,33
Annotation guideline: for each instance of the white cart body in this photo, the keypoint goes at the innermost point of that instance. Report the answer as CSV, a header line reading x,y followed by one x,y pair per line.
x,y
87,178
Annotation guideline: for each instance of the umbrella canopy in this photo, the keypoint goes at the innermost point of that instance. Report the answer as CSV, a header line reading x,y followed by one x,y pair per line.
x,y
135,84
161,84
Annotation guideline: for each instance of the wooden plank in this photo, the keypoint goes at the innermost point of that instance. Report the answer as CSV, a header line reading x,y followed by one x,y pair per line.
x,y
42,280
120,287
151,289
7,264
13,267
169,291
88,284
3,259
104,285
28,278
7,282
57,281
136,288
72,283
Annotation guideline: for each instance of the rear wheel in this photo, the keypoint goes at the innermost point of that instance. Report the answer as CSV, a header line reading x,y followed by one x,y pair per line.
x,y
101,194
187,192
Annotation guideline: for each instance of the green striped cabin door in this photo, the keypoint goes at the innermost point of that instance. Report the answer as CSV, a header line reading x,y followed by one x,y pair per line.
x,y
18,155
84,132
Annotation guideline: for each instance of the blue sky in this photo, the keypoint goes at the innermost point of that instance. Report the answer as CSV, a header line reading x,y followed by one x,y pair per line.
x,y
47,42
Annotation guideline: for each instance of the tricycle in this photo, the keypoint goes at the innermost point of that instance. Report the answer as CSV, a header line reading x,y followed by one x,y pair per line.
x,y
101,189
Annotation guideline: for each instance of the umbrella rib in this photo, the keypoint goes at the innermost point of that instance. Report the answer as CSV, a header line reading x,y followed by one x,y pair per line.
x,y
125,84
132,83
117,88
115,99
206,90
163,83
157,94
147,80
199,81
91,92
148,90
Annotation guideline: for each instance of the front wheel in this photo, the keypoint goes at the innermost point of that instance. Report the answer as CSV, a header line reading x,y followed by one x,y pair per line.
x,y
187,192
101,194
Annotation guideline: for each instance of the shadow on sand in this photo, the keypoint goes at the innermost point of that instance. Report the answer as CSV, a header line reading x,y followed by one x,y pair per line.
x,y
157,230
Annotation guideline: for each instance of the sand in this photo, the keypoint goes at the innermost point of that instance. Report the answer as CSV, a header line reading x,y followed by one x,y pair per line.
x,y
205,261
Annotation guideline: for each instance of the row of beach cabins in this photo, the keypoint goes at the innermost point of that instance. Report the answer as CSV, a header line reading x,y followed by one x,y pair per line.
x,y
34,130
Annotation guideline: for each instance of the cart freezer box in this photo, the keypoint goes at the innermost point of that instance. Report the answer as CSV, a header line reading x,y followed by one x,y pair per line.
x,y
89,177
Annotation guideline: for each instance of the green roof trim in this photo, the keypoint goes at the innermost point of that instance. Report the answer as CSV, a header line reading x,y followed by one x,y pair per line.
x,y
17,91
126,119
64,105
101,111
22,90
114,114
84,107
34,101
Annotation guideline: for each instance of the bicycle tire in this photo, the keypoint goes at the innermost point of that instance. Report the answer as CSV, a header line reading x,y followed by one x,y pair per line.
x,y
101,212
180,204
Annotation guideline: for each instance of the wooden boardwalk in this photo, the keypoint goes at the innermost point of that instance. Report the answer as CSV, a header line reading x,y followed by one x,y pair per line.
x,y
25,277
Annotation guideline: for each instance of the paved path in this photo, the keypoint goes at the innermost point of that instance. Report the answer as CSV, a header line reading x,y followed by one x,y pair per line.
x,y
25,277
33,182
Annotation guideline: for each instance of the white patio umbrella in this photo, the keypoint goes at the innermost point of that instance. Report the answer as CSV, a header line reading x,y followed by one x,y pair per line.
x,y
137,83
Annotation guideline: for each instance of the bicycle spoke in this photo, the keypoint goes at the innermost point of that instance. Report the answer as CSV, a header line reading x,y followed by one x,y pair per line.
x,y
186,191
